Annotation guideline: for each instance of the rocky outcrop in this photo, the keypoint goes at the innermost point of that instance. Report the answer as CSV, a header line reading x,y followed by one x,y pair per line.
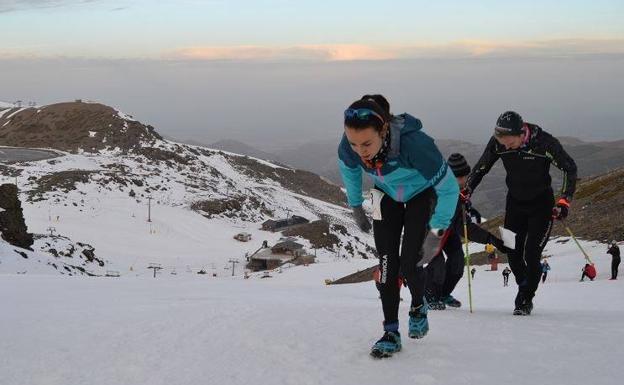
x,y
12,224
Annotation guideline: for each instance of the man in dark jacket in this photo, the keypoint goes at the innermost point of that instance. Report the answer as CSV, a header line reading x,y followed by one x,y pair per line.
x,y
527,153
442,277
614,250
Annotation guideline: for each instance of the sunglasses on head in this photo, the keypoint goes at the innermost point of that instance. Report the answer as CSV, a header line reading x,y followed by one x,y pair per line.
x,y
362,114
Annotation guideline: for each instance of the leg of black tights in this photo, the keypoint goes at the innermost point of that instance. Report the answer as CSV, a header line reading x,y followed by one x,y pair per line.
x,y
418,212
540,224
387,233
517,221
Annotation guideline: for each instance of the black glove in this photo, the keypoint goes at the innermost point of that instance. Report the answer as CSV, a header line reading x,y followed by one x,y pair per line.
x,y
560,211
432,245
360,218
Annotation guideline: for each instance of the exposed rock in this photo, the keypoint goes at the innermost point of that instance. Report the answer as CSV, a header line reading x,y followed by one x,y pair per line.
x,y
316,232
12,224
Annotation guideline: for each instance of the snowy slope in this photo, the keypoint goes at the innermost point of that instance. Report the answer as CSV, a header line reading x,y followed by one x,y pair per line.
x,y
292,329
51,254
102,199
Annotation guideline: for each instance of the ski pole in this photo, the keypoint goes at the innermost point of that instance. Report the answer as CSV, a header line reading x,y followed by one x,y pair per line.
x,y
467,258
577,242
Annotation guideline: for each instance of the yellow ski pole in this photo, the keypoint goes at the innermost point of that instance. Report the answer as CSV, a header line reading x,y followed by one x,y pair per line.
x,y
467,257
577,243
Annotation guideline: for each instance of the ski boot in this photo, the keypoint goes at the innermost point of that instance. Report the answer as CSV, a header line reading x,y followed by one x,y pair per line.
x,y
449,300
387,345
418,323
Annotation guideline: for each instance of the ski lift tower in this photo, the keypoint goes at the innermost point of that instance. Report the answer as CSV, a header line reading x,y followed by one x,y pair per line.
x,y
233,261
155,267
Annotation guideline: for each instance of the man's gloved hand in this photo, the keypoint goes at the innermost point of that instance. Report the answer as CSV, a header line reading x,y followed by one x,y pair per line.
x,y
360,218
464,195
561,209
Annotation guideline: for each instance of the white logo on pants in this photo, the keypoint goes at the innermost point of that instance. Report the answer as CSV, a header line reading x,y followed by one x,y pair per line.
x,y
384,269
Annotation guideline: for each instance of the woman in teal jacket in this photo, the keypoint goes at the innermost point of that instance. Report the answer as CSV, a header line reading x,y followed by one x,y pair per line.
x,y
415,196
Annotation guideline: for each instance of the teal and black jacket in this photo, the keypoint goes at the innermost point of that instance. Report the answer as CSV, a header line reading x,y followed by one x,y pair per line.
x,y
412,165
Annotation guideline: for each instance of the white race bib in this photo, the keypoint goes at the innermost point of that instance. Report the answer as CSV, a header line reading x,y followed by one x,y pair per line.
x,y
376,197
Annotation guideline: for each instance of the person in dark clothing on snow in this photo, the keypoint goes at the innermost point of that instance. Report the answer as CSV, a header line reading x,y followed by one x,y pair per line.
x,y
527,153
614,250
506,273
442,277
545,270
414,198
472,272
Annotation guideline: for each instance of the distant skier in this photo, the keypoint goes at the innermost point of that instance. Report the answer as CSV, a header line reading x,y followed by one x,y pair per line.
x,y
506,273
472,272
545,270
442,277
415,195
527,153
614,250
589,271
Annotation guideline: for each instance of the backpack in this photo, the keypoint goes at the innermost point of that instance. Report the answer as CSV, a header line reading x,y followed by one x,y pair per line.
x,y
590,271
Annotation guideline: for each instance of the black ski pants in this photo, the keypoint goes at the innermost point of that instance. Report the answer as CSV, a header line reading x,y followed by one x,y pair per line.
x,y
615,263
454,263
411,221
443,276
435,275
532,222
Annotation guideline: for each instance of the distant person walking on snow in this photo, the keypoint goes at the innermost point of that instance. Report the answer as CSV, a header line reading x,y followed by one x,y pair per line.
x,y
614,250
506,273
415,195
545,270
527,153
472,272
589,271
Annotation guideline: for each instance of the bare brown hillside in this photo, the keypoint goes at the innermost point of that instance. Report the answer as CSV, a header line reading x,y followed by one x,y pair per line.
x,y
597,210
73,127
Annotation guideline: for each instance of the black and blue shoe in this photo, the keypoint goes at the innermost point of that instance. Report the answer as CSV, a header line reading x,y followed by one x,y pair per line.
x,y
449,300
435,302
387,345
418,323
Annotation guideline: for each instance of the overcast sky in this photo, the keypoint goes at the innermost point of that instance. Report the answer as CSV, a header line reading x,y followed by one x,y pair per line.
x,y
276,72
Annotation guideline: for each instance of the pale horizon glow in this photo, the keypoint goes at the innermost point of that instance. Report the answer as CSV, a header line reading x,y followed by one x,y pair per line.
x,y
306,30
276,73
